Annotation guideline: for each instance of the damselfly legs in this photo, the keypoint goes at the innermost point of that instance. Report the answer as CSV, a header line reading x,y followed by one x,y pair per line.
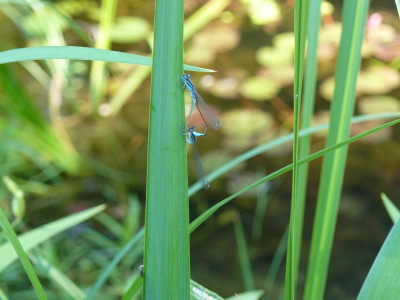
x,y
208,118
191,138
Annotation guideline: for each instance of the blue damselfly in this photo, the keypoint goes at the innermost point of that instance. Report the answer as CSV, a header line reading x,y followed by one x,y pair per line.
x,y
206,114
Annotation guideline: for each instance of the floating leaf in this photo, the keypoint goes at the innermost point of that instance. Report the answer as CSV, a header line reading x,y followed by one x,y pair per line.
x,y
284,41
225,88
130,30
274,57
378,80
262,12
242,126
259,88
283,75
378,104
220,38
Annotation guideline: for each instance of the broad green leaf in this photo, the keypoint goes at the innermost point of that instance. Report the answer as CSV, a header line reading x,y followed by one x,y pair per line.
x,y
166,252
382,281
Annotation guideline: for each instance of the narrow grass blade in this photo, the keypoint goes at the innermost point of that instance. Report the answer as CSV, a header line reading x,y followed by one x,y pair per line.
x,y
166,255
382,281
204,216
398,6
103,41
392,210
333,166
244,259
57,277
16,245
138,238
274,267
79,53
133,289
280,141
261,208
36,236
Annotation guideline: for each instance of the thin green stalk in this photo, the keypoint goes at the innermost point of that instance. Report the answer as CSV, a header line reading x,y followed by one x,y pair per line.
x,y
333,166
243,252
204,216
275,264
293,252
306,117
166,255
12,237
280,141
103,41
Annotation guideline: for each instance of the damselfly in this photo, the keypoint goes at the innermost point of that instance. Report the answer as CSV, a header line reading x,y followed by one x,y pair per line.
x,y
191,138
206,114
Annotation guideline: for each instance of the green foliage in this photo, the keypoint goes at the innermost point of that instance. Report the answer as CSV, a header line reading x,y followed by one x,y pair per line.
x,y
54,151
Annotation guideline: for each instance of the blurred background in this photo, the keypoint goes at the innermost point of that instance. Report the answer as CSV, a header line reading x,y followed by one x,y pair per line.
x,y
73,134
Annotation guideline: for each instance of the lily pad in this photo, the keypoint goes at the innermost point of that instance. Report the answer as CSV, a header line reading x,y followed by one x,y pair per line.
x,y
259,88
130,30
225,87
283,75
378,80
245,123
219,38
263,12
378,104
284,41
274,57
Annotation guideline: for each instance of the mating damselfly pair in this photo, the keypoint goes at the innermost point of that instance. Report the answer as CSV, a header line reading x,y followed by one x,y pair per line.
x,y
208,118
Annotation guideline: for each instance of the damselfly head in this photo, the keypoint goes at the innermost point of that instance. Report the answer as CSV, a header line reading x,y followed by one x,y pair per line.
x,y
186,76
